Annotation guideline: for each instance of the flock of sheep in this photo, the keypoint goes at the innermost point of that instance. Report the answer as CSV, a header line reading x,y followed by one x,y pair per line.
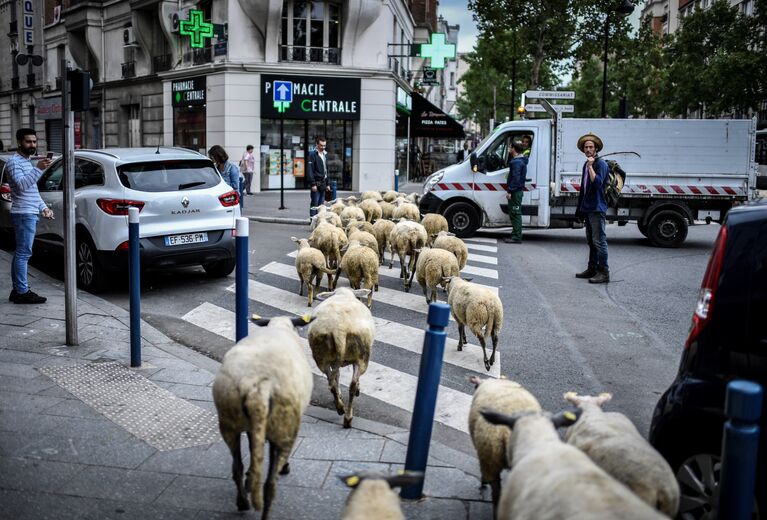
x,y
604,469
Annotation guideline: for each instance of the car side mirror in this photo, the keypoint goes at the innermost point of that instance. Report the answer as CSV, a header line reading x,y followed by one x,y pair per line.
x,y
477,164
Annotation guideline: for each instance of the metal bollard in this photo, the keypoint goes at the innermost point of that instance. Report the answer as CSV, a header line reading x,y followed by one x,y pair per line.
x,y
426,395
396,180
241,279
333,186
134,277
742,406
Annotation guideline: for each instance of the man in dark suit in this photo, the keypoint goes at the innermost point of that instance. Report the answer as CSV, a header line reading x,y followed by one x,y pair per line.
x,y
317,175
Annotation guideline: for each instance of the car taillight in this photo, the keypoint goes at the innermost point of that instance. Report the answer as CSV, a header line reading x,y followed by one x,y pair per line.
x,y
5,192
118,206
231,198
122,247
702,314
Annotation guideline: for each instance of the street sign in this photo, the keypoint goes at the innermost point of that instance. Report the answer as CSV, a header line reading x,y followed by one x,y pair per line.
x,y
282,95
535,107
550,94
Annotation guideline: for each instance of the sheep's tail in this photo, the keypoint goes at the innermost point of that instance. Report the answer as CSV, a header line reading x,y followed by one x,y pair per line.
x,y
326,270
255,405
490,319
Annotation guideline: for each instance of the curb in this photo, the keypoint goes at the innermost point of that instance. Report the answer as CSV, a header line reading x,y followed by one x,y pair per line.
x,y
281,220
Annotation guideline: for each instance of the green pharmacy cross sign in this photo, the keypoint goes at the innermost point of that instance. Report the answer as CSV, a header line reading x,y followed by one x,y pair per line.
x,y
197,28
438,50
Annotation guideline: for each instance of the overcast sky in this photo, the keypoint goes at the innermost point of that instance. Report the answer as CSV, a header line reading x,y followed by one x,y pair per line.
x,y
457,12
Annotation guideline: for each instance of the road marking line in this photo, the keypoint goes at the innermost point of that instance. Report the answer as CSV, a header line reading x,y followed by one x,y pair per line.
x,y
481,240
473,257
479,247
480,271
389,332
381,382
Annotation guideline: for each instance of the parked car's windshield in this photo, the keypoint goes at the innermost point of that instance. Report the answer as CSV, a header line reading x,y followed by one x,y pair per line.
x,y
169,175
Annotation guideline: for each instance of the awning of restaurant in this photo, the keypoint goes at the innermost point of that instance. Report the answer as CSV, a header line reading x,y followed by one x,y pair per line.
x,y
427,120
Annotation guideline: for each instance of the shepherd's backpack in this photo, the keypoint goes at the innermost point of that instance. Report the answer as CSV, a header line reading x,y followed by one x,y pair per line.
x,y
613,185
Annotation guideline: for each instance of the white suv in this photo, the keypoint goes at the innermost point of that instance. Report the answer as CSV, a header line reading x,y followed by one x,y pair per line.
x,y
187,212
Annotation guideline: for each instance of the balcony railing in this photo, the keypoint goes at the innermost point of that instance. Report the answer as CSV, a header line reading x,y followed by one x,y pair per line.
x,y
129,69
310,54
202,56
161,63
58,83
398,68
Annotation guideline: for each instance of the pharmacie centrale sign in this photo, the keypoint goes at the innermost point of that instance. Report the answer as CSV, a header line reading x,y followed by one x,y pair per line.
x,y
188,91
312,97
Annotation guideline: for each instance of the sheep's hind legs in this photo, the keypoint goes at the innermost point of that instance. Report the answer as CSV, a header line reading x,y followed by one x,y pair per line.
x,y
494,336
488,363
333,374
461,336
354,390
233,442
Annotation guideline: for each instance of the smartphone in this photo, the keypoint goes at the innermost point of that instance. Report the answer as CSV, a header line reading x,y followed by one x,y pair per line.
x,y
49,156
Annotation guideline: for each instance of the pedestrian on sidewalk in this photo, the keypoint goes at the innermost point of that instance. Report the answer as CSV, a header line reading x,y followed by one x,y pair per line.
x,y
226,168
247,167
26,209
515,189
317,175
592,208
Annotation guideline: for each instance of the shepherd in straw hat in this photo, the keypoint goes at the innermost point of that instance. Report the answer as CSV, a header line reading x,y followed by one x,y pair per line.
x,y
592,208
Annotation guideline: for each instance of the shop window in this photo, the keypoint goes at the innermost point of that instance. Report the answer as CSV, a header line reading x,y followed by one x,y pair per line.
x,y
311,31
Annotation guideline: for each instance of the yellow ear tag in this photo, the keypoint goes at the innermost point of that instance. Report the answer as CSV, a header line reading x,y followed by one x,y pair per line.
x,y
306,317
255,317
570,416
400,472
352,481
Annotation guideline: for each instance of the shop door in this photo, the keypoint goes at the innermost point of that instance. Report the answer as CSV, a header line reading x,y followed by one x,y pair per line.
x,y
54,134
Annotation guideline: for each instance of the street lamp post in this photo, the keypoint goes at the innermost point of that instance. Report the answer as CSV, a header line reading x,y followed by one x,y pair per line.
x,y
624,9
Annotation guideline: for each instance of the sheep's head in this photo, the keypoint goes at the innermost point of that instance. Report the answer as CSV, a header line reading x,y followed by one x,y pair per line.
x,y
562,419
401,479
282,321
302,242
451,281
444,234
580,400
361,294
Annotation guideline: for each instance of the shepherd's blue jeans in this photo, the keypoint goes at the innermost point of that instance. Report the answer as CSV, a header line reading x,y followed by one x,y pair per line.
x,y
597,239
24,226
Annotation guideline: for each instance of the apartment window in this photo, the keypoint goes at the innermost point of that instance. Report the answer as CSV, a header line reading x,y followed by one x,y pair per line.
x,y
311,31
452,80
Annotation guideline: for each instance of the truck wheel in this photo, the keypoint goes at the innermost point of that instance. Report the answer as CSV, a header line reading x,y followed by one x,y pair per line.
x,y
462,219
667,229
642,228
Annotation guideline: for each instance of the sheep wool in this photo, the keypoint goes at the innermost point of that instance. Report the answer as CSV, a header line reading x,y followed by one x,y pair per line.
x,y
433,267
480,309
329,239
361,225
310,265
341,334
360,263
371,209
406,238
434,223
337,207
491,441
381,230
407,210
371,195
612,441
351,212
263,388
550,480
364,238
449,242
390,196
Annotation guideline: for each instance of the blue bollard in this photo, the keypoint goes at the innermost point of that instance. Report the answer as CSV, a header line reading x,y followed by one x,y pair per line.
x,y
241,279
134,277
333,186
426,395
396,180
742,406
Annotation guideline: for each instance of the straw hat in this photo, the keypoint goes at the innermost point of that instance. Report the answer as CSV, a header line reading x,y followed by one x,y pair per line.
x,y
593,138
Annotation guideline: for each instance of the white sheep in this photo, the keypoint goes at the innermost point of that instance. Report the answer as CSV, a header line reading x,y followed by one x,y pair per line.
x,y
337,206
329,239
341,335
381,230
364,238
387,209
326,216
480,309
371,195
414,198
372,497
371,209
612,441
551,480
362,225
310,265
408,211
263,388
434,223
360,263
390,196
450,242
434,267
351,212
406,238
492,441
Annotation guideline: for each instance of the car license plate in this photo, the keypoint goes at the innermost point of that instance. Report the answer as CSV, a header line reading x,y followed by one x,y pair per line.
x,y
189,238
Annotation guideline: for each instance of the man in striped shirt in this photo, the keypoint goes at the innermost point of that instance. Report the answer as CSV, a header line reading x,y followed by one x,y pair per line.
x,y
26,208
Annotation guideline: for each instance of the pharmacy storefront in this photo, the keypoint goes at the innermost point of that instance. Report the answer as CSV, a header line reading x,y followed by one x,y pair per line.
x,y
189,101
295,110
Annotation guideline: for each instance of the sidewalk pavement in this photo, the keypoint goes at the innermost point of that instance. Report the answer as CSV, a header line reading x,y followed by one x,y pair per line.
x,y
264,206
84,436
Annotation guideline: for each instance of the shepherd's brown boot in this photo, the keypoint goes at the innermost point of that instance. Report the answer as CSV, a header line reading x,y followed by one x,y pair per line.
x,y
588,273
602,276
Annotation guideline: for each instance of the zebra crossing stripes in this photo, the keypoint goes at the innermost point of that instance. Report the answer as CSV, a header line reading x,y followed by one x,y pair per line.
x,y
480,271
386,331
410,301
380,382
481,247
473,257
481,240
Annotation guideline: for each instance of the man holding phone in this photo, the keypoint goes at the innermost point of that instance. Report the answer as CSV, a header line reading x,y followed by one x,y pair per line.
x,y
25,211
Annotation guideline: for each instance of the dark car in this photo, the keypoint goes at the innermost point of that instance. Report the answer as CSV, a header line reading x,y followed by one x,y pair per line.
x,y
727,340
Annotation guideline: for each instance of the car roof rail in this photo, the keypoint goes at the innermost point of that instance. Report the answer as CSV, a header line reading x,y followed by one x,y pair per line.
x,y
97,151
180,149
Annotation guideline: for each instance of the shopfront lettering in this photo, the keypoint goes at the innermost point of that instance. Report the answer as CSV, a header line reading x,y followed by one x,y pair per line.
x,y
313,97
319,105
189,91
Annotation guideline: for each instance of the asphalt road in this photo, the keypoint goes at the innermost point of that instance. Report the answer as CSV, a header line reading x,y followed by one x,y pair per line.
x,y
559,333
